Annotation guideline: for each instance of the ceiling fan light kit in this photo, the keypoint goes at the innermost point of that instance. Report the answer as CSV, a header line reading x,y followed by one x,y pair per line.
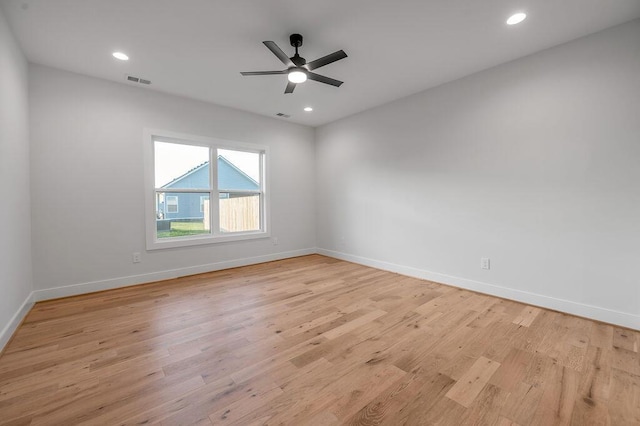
x,y
298,69
297,75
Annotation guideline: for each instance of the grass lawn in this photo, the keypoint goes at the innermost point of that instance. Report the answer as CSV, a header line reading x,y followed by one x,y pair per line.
x,y
182,229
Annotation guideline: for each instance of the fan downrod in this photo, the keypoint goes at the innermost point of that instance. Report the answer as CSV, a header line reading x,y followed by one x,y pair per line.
x,y
296,41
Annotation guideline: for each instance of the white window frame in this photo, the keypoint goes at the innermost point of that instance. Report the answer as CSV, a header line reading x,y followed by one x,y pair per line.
x,y
153,242
166,203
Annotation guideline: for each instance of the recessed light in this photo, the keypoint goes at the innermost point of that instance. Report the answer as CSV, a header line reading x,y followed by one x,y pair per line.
x,y
308,109
121,56
516,18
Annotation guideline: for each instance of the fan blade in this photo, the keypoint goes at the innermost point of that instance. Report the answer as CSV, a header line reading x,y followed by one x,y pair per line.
x,y
323,79
326,60
273,47
290,87
263,72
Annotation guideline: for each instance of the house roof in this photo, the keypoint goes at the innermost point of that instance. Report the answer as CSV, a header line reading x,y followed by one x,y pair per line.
x,y
229,177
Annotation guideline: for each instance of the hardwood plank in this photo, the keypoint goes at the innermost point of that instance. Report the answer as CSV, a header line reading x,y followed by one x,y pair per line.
x,y
527,316
390,402
485,410
601,335
235,411
465,391
323,418
522,403
512,370
624,400
503,421
352,325
626,339
427,404
353,395
558,399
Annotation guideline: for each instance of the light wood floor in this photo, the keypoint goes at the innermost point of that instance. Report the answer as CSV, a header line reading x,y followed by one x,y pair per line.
x,y
315,341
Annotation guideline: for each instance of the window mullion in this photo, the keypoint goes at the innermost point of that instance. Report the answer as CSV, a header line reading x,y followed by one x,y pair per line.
x,y
214,197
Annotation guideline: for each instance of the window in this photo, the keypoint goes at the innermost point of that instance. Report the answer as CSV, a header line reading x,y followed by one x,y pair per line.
x,y
184,173
172,203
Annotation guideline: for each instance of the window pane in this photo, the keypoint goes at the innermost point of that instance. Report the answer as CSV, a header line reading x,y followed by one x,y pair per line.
x,y
181,166
238,170
239,212
204,203
180,214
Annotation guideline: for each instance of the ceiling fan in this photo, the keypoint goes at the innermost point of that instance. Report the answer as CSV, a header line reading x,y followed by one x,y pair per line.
x,y
298,69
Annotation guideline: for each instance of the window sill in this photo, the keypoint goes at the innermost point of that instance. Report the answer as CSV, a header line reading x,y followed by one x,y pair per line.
x,y
204,240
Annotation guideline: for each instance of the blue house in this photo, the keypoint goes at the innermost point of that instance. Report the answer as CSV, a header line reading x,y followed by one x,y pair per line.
x,y
189,206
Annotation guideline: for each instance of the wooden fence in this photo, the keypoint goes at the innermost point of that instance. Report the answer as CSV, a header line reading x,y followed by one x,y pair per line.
x,y
237,214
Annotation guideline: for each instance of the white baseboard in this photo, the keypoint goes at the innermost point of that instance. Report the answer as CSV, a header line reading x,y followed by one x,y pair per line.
x,y
10,328
588,311
90,287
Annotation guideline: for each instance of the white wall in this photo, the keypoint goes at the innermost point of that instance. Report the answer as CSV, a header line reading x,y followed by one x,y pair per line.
x,y
87,183
534,164
15,214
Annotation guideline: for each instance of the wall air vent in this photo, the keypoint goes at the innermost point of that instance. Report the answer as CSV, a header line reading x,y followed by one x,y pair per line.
x,y
138,80
281,114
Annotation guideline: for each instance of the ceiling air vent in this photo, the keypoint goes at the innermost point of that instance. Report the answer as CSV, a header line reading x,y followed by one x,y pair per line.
x,y
138,80
281,114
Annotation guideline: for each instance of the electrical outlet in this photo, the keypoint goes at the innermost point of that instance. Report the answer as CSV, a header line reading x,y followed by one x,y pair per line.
x,y
485,263
136,257
274,240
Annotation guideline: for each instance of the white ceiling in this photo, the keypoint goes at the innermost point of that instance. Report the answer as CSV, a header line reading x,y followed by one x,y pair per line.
x,y
196,48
